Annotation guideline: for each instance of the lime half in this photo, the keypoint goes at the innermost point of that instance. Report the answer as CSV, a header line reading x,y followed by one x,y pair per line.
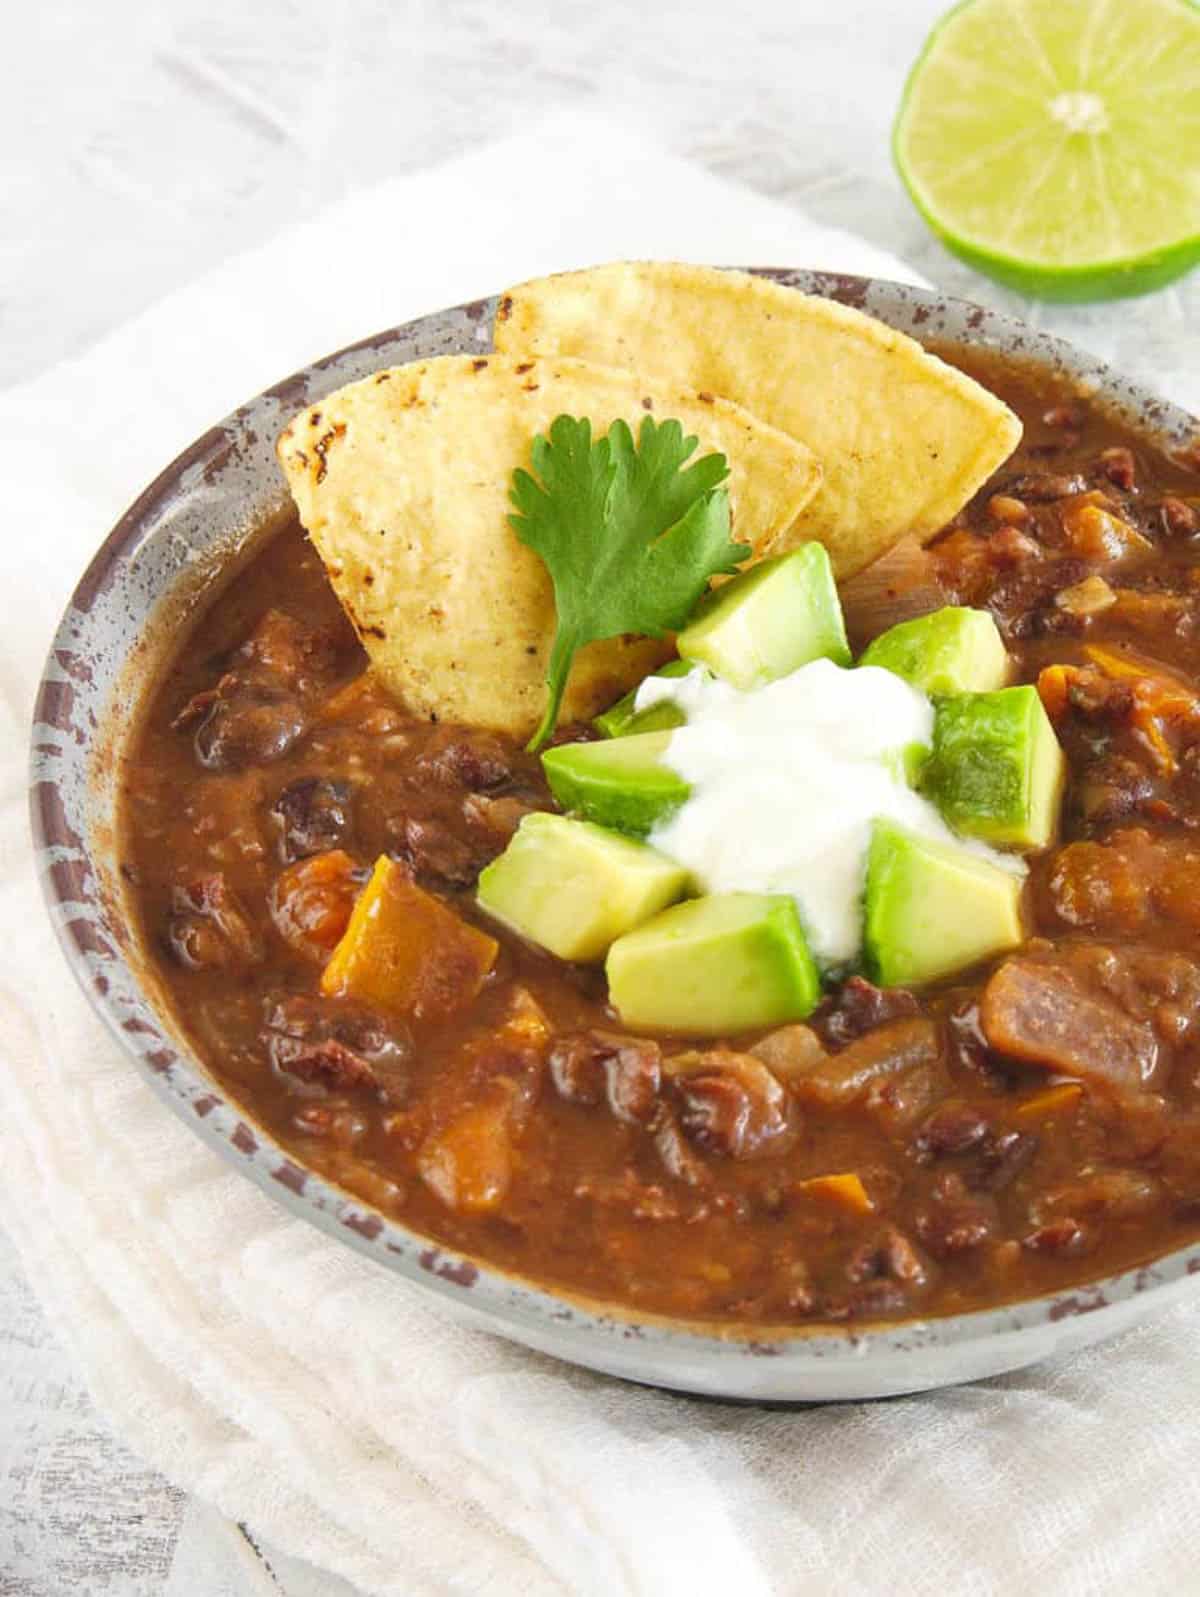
x,y
1055,144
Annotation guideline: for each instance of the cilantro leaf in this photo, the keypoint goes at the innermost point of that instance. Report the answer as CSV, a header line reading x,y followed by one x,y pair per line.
x,y
629,537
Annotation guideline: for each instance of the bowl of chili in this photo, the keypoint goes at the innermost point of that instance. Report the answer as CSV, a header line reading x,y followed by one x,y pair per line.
x,y
212,773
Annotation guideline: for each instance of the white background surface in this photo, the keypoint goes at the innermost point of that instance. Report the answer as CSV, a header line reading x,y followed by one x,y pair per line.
x,y
144,141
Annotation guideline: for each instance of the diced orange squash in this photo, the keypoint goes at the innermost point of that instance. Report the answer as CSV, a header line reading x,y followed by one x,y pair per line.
x,y
1153,615
845,1189
312,901
1106,885
1159,696
1053,1101
1168,692
524,1025
405,950
1053,686
469,1165
1097,534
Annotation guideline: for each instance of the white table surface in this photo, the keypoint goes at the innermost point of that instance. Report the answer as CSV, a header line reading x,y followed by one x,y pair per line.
x,y
144,141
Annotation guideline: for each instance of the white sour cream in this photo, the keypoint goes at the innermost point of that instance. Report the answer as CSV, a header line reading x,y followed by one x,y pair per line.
x,y
786,782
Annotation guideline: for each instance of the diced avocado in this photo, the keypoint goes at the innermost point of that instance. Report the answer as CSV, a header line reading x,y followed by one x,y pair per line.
x,y
953,650
933,908
997,771
623,783
770,620
715,965
573,888
622,718
908,763
662,717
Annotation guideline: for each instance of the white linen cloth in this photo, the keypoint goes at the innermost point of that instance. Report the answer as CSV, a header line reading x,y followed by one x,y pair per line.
x,y
297,1386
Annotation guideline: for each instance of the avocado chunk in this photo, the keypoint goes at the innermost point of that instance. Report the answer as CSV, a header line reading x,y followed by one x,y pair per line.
x,y
573,888
770,620
623,718
953,650
997,771
715,965
933,908
623,783
908,763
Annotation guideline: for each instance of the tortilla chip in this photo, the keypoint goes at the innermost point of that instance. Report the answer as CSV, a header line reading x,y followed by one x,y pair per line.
x,y
402,481
904,439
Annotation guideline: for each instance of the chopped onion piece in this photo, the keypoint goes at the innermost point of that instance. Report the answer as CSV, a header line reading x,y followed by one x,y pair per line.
x,y
1091,597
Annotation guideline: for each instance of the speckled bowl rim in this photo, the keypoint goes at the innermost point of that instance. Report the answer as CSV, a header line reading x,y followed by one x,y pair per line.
x,y
81,718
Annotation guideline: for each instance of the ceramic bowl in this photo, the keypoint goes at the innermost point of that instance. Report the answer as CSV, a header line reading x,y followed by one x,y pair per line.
x,y
185,535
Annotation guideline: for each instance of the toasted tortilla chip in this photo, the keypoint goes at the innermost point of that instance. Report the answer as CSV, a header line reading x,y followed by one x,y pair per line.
x,y
903,438
402,481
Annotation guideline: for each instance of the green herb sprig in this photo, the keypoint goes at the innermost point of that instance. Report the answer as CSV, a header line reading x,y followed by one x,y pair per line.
x,y
629,537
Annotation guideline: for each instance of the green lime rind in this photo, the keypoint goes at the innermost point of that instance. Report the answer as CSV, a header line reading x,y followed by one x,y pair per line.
x,y
1071,283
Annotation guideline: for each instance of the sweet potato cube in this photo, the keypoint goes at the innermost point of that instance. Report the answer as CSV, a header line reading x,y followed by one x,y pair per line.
x,y
846,1190
1054,686
312,902
1096,534
524,1028
469,1164
405,950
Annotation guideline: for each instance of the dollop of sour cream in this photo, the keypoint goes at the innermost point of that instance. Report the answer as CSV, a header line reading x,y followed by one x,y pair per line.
x,y
787,781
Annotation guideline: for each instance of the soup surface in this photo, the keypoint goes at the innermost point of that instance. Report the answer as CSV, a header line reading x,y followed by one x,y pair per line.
x,y
1033,1124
